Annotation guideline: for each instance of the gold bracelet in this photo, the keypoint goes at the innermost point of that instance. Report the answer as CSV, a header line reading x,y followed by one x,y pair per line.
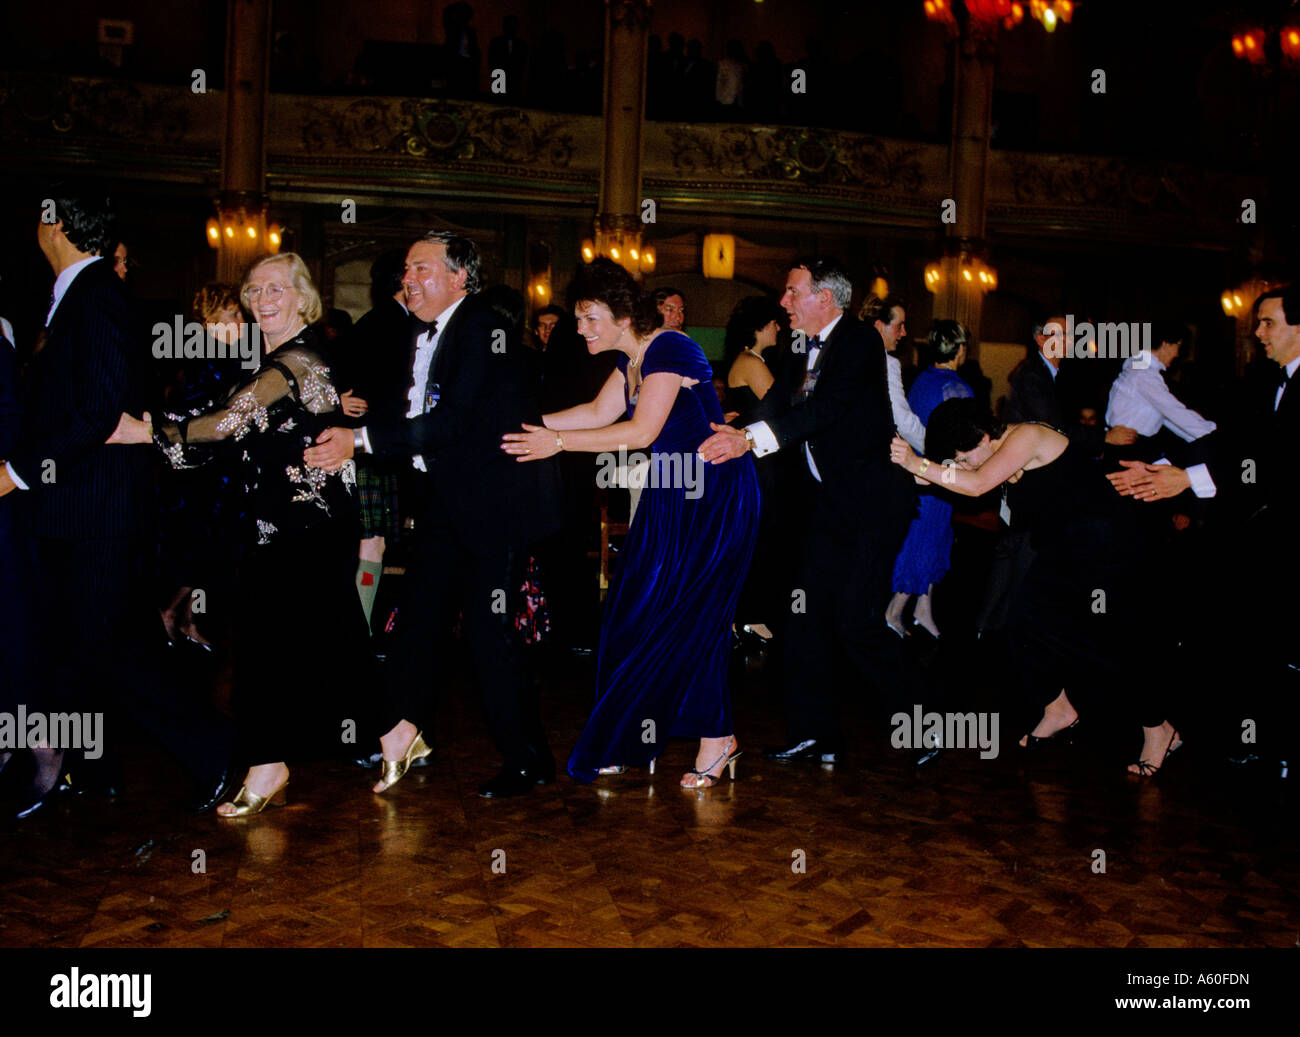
x,y
924,465
559,441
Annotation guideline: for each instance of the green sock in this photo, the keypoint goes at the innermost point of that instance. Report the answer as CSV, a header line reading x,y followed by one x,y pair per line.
x,y
368,574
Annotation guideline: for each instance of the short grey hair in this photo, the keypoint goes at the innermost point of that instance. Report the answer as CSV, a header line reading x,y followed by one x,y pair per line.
x,y
826,272
462,254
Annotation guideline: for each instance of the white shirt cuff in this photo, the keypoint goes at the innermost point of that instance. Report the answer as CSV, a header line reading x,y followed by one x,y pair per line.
x,y
14,476
1202,484
764,439
365,440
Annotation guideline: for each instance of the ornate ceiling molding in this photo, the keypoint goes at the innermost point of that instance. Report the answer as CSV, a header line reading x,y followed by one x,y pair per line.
x,y
420,148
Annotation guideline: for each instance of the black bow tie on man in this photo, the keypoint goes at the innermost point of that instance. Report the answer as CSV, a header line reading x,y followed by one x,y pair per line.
x,y
423,327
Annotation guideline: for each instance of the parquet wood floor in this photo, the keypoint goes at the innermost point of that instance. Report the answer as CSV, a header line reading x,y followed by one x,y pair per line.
x,y
969,853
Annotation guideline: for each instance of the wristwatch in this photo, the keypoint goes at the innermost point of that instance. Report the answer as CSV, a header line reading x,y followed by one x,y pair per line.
x,y
749,438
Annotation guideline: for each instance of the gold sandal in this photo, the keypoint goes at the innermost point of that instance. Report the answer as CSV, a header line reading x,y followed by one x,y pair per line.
x,y
395,770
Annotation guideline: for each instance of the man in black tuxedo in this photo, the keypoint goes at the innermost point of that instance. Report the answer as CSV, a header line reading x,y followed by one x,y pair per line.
x,y
1249,473
15,592
374,367
831,405
88,507
470,384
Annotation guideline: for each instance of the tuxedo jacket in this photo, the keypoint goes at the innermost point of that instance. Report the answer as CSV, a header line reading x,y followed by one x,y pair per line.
x,y
375,362
1033,395
10,411
491,500
1036,396
848,422
88,373
1251,457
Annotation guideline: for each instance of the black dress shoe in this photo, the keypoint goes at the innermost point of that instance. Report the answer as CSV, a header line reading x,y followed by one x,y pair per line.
x,y
78,784
31,808
509,782
208,795
808,749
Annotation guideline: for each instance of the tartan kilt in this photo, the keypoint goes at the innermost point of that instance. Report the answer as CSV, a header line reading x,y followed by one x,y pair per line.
x,y
377,491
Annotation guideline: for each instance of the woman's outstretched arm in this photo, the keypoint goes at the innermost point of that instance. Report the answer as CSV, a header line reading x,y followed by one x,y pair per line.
x,y
605,409
654,403
1023,445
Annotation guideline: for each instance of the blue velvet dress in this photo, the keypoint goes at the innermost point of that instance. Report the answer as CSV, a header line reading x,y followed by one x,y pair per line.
x,y
666,633
927,551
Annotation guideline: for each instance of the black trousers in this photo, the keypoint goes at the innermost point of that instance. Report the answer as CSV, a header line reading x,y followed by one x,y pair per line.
x,y
1082,621
1240,641
1013,554
445,575
304,685
101,649
17,606
840,590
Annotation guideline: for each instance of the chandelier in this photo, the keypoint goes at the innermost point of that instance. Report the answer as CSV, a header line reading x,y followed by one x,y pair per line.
x,y
987,13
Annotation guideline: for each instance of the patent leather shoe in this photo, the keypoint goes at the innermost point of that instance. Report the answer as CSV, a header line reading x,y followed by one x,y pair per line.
x,y
79,784
207,795
808,749
509,782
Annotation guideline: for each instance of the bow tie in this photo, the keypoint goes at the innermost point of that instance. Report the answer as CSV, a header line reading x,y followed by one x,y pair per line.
x,y
1280,377
423,327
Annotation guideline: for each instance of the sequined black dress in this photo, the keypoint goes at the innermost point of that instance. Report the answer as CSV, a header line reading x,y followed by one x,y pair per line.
x,y
301,647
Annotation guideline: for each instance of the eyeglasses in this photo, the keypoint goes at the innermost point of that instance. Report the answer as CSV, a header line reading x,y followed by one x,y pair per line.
x,y
669,308
272,292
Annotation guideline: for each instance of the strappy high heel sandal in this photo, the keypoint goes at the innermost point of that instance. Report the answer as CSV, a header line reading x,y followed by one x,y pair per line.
x,y
706,779
1146,769
619,768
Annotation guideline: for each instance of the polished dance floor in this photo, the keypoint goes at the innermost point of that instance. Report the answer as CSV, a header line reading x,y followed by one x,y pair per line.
x,y
867,853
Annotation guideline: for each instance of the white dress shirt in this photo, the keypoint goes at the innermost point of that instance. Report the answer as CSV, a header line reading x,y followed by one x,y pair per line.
x,y
61,285
1140,400
1199,474
425,350
908,424
764,438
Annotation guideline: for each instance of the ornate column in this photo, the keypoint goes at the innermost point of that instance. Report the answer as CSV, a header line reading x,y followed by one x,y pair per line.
x,y
618,219
243,160
960,295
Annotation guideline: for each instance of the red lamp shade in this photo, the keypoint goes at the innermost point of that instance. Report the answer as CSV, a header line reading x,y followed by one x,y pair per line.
x,y
1291,42
988,10
1252,43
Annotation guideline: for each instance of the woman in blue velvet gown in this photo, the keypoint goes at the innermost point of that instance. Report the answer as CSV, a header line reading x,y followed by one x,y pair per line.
x,y
924,558
666,631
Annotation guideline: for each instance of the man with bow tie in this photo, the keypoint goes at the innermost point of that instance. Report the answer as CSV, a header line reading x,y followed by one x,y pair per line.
x,y
831,407
1264,435
1250,568
471,382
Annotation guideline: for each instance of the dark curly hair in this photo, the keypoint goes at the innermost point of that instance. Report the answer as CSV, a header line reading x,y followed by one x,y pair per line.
x,y
958,424
89,222
604,281
752,313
